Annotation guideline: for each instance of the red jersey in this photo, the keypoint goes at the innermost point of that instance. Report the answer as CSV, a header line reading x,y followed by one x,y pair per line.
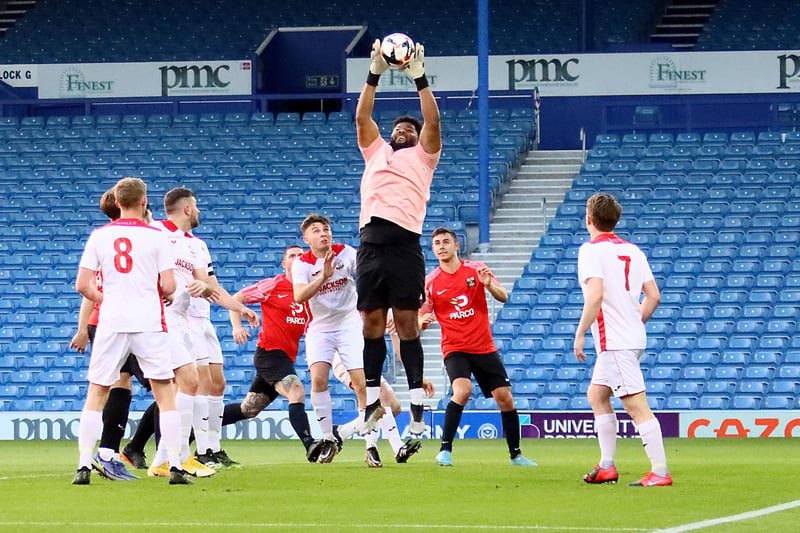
x,y
459,302
283,321
94,318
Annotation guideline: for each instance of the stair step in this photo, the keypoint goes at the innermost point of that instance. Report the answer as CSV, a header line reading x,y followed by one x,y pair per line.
x,y
688,27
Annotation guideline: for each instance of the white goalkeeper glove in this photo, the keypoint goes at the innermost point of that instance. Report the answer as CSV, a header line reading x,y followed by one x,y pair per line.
x,y
416,67
378,64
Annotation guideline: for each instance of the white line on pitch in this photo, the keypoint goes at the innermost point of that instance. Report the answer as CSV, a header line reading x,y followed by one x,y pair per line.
x,y
733,518
454,527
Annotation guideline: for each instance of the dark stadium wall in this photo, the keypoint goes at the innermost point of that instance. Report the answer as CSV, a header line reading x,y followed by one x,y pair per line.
x,y
563,117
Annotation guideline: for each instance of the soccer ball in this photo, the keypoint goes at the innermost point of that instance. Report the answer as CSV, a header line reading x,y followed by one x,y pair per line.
x,y
397,49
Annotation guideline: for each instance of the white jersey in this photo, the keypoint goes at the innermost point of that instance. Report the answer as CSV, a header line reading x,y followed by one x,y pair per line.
x,y
623,268
200,307
130,255
333,307
185,255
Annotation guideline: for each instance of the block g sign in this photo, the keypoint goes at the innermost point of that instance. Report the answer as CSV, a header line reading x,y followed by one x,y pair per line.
x,y
193,79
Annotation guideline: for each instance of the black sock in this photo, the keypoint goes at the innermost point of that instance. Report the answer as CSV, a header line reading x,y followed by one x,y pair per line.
x,y
115,418
145,429
452,417
413,361
232,414
157,425
374,356
417,412
511,429
299,420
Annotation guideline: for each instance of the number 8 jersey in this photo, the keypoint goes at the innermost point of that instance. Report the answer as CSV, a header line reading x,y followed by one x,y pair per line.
x,y
130,255
624,269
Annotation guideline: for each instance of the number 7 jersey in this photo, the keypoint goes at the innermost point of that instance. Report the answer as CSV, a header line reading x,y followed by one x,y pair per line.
x,y
130,255
624,270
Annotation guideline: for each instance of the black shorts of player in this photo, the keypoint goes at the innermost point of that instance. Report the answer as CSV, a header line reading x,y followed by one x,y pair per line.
x,y
390,267
487,368
130,366
272,366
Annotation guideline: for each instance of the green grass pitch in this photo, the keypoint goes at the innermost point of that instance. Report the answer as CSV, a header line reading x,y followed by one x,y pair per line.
x,y
278,490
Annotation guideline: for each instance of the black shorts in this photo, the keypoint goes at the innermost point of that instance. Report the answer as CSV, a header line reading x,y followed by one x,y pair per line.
x,y
487,368
390,275
130,366
259,386
272,366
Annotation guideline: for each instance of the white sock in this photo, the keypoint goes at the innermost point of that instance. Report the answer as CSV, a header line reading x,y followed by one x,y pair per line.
x,y
161,452
606,428
373,393
371,439
389,427
170,424
106,454
185,405
653,442
216,406
89,430
200,423
416,396
324,410
349,429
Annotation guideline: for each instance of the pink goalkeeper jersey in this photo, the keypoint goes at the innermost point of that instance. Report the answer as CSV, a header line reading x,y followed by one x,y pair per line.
x,y
396,185
624,270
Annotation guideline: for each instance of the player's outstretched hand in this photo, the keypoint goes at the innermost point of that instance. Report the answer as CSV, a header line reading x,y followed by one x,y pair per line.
x,y
427,386
240,335
251,317
426,320
416,67
80,341
485,275
577,347
378,64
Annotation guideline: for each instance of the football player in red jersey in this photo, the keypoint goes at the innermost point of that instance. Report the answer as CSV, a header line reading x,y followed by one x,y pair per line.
x,y
284,322
455,296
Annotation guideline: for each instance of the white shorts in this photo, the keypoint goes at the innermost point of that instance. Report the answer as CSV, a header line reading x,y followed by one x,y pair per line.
x,y
110,350
180,340
619,370
205,345
348,343
341,373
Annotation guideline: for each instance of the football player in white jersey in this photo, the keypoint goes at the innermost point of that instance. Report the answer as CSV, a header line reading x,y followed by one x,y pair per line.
x,y
613,275
191,275
324,276
207,352
136,263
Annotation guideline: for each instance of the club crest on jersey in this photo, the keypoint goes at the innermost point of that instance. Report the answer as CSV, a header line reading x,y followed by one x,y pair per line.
x,y
471,281
460,302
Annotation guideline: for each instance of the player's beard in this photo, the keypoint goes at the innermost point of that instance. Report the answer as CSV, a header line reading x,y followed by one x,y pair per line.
x,y
397,146
194,221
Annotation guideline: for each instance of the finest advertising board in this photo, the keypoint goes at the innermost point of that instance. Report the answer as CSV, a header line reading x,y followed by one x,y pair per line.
x,y
605,74
169,78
